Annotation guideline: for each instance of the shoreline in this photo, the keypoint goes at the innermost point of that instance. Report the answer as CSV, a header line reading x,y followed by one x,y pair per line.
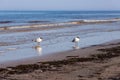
x,y
98,62
84,52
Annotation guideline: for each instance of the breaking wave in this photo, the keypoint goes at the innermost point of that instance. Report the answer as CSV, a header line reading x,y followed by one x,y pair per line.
x,y
61,24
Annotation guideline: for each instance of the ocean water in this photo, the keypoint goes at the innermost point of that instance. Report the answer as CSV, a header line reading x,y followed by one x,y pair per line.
x,y
17,46
23,17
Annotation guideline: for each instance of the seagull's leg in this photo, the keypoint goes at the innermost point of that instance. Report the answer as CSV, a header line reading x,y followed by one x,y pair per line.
x,y
38,43
75,44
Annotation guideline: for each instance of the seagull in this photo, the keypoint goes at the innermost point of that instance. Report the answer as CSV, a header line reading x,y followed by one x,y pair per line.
x,y
39,40
76,40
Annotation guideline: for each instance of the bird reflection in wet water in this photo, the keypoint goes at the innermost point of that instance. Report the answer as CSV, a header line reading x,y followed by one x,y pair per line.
x,y
38,48
76,47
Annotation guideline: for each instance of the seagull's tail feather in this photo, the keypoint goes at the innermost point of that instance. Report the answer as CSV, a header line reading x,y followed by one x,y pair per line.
x,y
73,40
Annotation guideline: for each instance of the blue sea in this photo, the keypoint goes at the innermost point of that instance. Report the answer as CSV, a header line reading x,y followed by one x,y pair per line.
x,y
19,45
23,17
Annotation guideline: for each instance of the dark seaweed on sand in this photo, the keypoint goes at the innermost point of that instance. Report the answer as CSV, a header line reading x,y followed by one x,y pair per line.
x,y
55,65
108,53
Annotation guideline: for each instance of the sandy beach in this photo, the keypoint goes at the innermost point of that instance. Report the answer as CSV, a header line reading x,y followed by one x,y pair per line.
x,y
99,62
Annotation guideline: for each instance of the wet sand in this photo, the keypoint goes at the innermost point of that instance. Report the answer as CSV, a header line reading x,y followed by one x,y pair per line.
x,y
98,62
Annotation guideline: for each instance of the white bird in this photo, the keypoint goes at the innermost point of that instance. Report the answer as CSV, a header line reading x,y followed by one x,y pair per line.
x,y
76,40
39,40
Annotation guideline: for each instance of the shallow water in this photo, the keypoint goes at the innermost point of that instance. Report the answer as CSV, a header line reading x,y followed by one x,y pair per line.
x,y
20,45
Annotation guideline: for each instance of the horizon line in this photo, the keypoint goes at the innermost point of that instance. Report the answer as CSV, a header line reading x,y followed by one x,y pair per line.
x,y
59,10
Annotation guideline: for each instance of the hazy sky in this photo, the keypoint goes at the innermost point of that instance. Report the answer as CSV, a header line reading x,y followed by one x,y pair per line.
x,y
59,4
